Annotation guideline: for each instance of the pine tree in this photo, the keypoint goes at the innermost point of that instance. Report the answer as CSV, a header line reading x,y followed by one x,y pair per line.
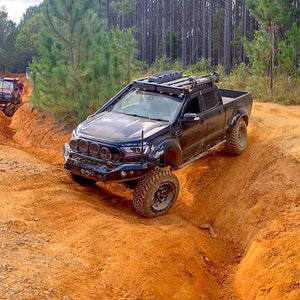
x,y
270,14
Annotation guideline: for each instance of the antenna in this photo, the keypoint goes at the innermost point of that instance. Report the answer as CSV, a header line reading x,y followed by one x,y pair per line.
x,y
142,148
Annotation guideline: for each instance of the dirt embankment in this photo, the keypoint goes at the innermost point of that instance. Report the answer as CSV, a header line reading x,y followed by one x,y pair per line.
x,y
62,240
5,130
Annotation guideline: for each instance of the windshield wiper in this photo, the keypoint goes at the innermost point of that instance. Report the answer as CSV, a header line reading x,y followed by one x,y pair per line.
x,y
157,119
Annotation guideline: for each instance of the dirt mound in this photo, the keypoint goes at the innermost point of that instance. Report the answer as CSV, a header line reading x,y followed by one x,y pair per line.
x,y
271,267
5,131
36,131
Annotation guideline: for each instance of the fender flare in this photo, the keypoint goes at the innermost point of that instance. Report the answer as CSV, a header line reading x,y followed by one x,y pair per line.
x,y
169,152
240,113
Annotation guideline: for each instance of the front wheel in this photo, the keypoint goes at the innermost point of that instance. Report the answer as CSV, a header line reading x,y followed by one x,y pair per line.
x,y
156,193
236,139
10,110
79,179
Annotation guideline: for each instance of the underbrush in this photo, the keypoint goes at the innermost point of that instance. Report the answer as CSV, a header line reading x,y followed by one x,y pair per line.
x,y
286,89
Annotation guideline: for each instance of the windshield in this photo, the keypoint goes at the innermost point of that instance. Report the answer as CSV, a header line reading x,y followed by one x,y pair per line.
x,y
148,105
6,85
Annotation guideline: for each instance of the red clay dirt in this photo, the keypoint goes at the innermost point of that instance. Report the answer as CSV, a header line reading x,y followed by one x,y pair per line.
x,y
62,241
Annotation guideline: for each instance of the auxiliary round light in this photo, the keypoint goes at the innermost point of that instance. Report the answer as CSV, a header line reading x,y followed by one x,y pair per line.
x,y
83,146
94,149
116,157
105,153
74,145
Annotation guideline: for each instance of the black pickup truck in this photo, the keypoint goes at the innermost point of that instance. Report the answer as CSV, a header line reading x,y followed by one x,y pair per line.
x,y
153,126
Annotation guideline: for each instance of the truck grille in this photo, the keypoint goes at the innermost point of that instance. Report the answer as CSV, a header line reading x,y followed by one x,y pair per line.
x,y
96,150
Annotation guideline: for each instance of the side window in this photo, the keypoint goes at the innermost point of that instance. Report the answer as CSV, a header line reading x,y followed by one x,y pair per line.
x,y
193,106
211,99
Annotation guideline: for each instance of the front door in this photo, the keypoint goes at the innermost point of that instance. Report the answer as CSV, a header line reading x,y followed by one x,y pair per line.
x,y
192,135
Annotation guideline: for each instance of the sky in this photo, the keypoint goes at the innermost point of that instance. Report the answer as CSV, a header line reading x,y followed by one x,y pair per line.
x,y
16,8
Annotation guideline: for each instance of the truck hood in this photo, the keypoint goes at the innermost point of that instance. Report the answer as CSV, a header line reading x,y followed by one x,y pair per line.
x,y
118,128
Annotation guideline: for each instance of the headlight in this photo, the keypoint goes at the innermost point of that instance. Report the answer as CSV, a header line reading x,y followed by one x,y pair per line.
x,y
73,144
105,153
94,149
83,147
135,151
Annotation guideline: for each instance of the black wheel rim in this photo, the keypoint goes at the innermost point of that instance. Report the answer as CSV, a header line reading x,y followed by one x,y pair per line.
x,y
242,137
163,196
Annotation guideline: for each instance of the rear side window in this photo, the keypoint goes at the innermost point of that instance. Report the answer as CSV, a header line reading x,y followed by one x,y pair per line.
x,y
211,99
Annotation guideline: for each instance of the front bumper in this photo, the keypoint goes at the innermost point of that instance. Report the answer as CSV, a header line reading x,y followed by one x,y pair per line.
x,y
100,170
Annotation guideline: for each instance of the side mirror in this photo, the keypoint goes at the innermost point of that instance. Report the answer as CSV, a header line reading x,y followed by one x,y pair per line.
x,y
190,118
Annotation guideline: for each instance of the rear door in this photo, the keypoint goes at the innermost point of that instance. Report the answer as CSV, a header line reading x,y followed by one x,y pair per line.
x,y
213,110
192,135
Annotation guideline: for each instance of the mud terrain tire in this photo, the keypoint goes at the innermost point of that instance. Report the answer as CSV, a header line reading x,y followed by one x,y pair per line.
x,y
10,110
236,139
131,184
156,193
79,179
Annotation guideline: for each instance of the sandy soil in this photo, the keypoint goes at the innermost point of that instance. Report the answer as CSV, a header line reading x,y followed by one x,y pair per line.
x,y
62,241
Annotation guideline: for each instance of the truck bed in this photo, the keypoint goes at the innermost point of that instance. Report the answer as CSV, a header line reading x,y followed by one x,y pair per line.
x,y
234,101
230,95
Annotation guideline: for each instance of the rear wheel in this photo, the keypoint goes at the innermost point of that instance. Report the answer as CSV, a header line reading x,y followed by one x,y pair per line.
x,y
10,110
79,179
156,193
18,100
236,139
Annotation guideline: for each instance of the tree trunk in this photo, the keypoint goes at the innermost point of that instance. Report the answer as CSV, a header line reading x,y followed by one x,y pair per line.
x,y
220,38
171,28
163,27
157,29
184,33
236,21
251,30
227,35
197,8
71,45
193,56
209,32
272,56
204,28
107,16
244,31
144,42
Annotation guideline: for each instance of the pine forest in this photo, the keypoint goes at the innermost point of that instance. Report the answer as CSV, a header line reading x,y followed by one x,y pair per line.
x,y
80,53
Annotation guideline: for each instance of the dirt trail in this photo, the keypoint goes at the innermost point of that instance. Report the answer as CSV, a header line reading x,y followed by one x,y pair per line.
x,y
62,241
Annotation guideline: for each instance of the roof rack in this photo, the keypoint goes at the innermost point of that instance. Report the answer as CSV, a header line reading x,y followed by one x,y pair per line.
x,y
174,82
165,76
9,78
